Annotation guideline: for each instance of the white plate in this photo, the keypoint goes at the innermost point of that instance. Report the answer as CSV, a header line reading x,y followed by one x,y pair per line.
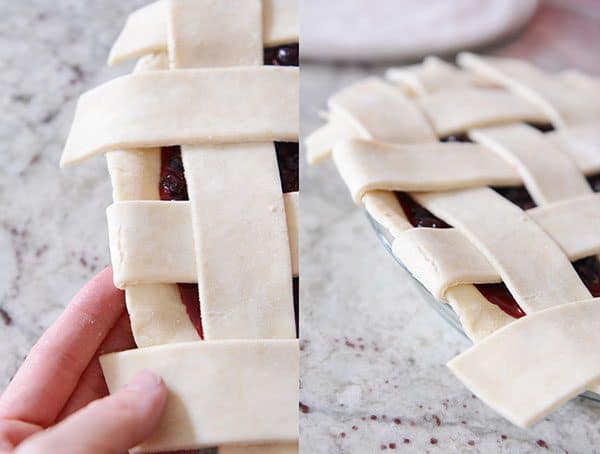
x,y
370,30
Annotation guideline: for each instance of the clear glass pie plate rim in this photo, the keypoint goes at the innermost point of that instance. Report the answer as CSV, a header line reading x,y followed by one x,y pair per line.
x,y
442,308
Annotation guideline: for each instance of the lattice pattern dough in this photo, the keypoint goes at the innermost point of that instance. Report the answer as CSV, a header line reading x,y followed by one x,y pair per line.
x,y
201,85
450,149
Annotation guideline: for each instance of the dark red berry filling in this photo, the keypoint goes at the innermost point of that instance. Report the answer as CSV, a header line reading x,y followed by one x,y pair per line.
x,y
191,301
288,160
518,195
594,182
463,137
284,55
499,295
588,270
417,214
542,127
172,184
296,288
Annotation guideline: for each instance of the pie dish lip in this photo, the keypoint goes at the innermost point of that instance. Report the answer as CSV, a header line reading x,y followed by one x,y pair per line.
x,y
443,309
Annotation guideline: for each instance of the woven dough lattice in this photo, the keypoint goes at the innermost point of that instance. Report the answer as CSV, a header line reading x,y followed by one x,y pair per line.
x,y
202,116
486,178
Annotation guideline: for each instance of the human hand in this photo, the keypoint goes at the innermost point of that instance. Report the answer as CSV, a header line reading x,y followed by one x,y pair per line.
x,y
57,400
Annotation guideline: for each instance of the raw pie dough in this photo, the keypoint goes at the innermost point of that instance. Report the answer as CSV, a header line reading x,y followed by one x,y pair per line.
x,y
146,29
543,361
206,90
252,386
133,225
491,240
232,110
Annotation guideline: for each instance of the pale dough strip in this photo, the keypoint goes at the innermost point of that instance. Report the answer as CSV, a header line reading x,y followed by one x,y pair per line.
x,y
542,278
241,241
291,203
135,174
158,316
146,29
431,76
562,102
366,166
198,37
443,258
542,362
382,112
478,107
320,143
152,241
582,142
156,311
251,385
549,174
384,207
242,294
574,224
186,107
478,317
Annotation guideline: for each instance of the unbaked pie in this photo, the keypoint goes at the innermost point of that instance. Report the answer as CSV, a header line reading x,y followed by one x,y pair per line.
x,y
202,148
486,176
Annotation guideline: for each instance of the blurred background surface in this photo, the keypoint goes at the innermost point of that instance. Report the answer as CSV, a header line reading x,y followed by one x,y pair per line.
x,y
351,30
373,362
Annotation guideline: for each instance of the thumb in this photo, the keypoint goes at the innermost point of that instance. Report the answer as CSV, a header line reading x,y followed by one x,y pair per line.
x,y
113,424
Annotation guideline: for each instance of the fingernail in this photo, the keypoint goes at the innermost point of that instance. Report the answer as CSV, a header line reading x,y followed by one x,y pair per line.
x,y
145,381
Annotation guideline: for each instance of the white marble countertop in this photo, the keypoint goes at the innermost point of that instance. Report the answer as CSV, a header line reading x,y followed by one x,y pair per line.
x,y
52,224
374,352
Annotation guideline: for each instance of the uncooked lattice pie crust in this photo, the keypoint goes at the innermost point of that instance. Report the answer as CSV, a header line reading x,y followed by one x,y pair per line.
x,y
433,154
200,84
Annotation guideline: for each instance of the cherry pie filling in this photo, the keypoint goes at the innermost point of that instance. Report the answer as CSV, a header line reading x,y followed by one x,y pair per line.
x,y
284,55
587,268
173,186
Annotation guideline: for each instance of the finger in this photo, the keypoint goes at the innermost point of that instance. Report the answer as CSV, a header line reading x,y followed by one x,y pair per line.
x,y
12,433
113,424
52,370
92,386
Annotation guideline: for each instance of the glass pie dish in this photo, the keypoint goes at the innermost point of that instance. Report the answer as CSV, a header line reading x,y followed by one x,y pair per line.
x,y
442,308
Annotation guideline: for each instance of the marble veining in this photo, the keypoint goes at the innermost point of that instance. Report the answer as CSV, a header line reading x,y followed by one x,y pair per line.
x,y
52,224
